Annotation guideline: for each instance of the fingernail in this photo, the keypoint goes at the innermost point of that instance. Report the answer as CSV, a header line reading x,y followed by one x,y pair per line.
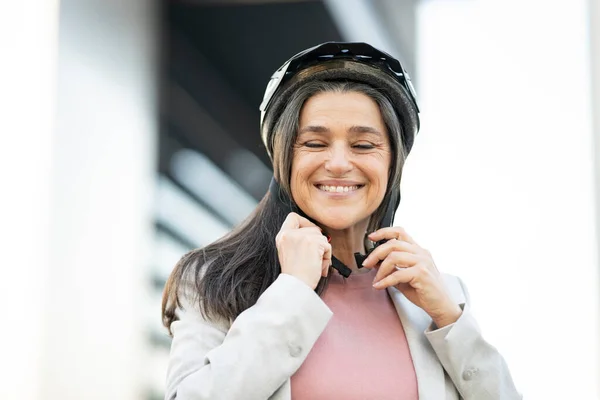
x,y
365,261
377,284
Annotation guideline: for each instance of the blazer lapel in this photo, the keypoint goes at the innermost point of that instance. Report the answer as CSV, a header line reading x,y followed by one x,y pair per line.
x,y
429,371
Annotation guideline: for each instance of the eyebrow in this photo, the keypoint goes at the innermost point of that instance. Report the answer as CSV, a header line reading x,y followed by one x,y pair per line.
x,y
352,129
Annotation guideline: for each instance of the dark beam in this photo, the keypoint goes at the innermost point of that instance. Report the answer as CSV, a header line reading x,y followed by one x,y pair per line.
x,y
191,122
238,2
207,86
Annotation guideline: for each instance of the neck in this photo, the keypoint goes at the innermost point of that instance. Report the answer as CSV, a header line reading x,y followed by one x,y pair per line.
x,y
348,241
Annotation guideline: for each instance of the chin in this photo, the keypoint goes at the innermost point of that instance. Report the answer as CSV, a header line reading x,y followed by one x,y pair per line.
x,y
337,221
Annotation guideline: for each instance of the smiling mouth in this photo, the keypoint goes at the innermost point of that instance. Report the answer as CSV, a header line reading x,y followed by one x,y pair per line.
x,y
338,189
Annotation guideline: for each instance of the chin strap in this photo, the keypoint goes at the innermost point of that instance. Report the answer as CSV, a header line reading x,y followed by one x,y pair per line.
x,y
287,204
388,219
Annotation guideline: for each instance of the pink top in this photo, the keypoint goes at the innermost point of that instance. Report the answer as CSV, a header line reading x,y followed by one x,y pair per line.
x,y
363,353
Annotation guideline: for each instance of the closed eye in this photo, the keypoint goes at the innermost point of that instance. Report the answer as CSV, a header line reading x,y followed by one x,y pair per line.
x,y
364,146
314,145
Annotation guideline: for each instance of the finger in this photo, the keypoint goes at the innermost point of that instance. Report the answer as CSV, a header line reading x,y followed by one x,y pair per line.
x,y
326,262
402,276
327,251
286,235
295,221
381,252
313,230
325,269
306,223
392,232
393,260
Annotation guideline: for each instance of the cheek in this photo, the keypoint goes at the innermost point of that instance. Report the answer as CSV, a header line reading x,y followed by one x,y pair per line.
x,y
295,181
301,167
296,168
304,163
382,182
379,168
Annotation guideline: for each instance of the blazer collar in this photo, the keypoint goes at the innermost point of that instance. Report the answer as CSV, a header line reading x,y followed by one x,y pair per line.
x,y
428,369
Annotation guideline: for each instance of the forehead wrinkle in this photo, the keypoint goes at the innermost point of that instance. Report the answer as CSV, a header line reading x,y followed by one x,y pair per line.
x,y
357,129
354,129
314,129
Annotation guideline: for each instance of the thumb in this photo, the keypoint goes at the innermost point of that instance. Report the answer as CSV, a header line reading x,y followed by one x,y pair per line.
x,y
326,260
325,268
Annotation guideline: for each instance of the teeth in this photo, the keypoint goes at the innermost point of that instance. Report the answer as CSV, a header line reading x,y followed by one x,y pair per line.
x,y
338,189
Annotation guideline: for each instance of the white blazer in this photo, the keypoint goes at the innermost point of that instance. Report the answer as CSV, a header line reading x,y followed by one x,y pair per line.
x,y
254,357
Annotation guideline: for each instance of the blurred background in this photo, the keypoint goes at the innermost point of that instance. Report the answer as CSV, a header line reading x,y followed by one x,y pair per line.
x,y
130,136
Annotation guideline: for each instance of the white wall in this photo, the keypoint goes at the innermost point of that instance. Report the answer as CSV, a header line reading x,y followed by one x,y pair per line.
x,y
28,33
500,185
77,171
593,24
102,201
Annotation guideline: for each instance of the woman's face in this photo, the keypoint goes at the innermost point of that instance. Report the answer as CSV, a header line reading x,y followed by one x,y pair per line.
x,y
341,159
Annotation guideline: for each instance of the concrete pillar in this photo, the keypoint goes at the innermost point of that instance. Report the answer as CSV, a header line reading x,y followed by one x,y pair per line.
x,y
101,225
594,32
28,39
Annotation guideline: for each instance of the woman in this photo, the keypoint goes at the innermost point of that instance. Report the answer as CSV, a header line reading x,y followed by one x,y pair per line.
x,y
282,308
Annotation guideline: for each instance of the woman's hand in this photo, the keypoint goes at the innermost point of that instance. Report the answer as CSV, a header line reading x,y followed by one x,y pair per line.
x,y
303,250
410,268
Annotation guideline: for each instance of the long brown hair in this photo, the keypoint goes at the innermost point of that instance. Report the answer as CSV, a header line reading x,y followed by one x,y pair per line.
x,y
226,277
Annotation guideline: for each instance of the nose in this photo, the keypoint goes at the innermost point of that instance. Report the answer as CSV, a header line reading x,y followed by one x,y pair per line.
x,y
338,163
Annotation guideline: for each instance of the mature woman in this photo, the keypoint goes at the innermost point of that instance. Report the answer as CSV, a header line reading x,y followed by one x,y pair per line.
x,y
316,296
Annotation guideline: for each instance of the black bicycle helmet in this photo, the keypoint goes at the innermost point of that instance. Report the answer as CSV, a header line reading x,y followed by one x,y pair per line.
x,y
339,60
